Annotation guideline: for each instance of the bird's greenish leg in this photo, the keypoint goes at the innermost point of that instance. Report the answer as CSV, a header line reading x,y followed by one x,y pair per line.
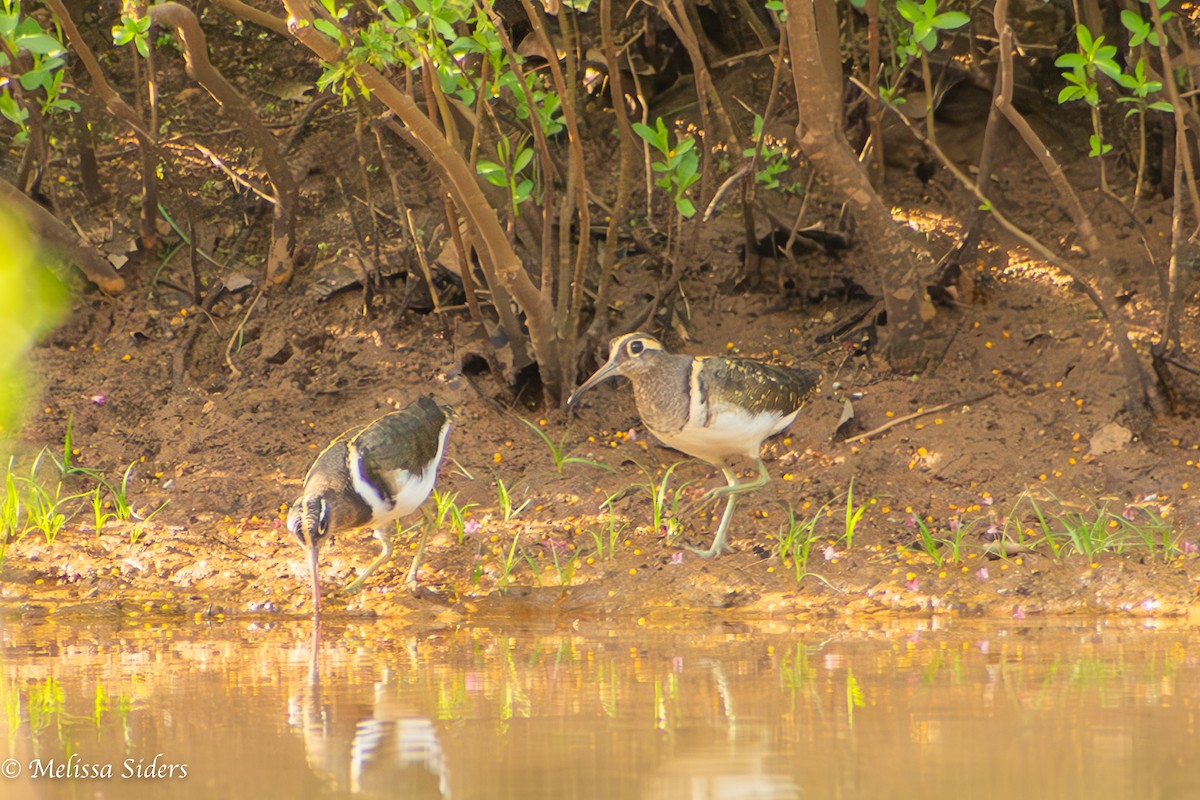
x,y
734,487
410,577
718,544
385,538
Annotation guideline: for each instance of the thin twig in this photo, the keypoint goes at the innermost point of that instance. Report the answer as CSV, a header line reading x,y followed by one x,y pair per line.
x,y
891,423
237,332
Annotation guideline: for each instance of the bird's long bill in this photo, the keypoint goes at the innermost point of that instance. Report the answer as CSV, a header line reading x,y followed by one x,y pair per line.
x,y
599,376
316,581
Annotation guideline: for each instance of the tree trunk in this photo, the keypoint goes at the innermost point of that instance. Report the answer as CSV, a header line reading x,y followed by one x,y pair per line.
x,y
813,37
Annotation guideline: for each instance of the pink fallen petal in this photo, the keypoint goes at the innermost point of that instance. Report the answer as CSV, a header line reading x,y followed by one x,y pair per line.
x,y
914,585
1018,612
982,573
1190,547
677,558
829,553
954,524
98,399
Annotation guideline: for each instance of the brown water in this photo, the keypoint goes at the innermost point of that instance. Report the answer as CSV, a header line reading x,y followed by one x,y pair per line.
x,y
894,710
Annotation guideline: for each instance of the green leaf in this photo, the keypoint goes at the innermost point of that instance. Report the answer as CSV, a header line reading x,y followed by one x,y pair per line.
x,y
143,47
1070,61
8,24
524,190
950,20
1069,93
1133,21
329,29
1162,105
489,169
40,44
909,10
1109,68
1084,37
522,160
685,207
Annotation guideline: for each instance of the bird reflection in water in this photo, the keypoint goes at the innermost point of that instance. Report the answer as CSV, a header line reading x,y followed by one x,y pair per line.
x,y
372,749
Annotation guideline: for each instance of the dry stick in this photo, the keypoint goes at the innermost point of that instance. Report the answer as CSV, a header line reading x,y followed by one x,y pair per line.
x,y
725,186
577,180
53,231
195,51
987,159
1175,298
620,210
260,18
891,423
237,333
645,106
220,164
875,112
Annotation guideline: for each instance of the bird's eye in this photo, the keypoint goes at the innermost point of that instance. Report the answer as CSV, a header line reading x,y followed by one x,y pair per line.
x,y
636,347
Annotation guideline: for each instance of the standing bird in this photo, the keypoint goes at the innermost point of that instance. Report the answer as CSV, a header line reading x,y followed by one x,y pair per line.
x,y
709,407
371,476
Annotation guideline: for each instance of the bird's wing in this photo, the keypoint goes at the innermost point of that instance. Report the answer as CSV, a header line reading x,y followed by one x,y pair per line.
x,y
756,386
407,439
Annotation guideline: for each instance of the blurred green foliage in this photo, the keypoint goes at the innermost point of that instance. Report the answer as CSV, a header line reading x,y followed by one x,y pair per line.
x,y
32,301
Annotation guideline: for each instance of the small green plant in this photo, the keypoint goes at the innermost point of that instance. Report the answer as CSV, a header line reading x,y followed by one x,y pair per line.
x,y
1140,88
611,532
558,451
796,537
100,515
664,503
564,568
447,509
45,509
510,562
1156,534
40,57
918,39
853,516
679,165
507,171
1142,30
929,543
1080,72
134,29
773,159
120,495
504,501
139,527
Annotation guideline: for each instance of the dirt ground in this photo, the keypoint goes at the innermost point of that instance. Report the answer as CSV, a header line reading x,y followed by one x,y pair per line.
x,y
222,427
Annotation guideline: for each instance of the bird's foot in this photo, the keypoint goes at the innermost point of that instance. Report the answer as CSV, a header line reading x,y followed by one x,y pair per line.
x,y
711,552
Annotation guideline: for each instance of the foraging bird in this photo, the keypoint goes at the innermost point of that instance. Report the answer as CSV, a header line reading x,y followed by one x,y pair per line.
x,y
371,476
709,407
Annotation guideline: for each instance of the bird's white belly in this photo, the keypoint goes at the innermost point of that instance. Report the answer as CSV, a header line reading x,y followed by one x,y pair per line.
x,y
408,490
731,432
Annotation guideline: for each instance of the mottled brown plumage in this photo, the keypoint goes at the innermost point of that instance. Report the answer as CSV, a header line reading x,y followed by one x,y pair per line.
x,y
710,407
